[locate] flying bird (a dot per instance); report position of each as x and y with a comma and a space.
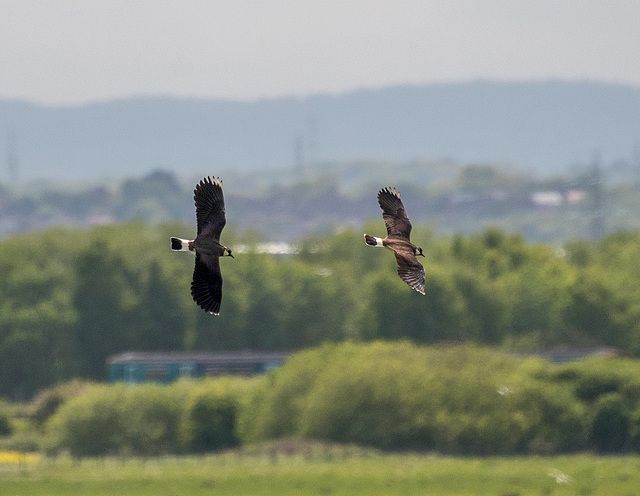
206, 287
398, 231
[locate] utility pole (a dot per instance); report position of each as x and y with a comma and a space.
597, 228
12, 158
298, 153
635, 164
311, 141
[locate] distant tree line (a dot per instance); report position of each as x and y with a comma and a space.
69, 298
292, 204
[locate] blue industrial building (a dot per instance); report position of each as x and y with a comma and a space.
135, 367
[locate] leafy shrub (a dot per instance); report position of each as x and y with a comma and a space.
47, 401
209, 423
552, 420
634, 431
593, 378
274, 410
118, 419
590, 387
21, 441
210, 417
150, 417
90, 424
5, 419
459, 399
611, 424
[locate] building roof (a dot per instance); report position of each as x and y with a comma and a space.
203, 357
567, 354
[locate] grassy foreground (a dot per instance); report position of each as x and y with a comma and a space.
357, 473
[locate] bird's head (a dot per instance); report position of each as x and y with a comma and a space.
227, 253
418, 252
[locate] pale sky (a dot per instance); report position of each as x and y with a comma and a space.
74, 51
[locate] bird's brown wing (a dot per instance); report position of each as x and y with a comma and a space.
410, 270
206, 287
209, 200
394, 215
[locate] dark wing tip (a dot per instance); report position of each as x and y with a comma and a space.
210, 210
389, 191
206, 286
389, 200
204, 299
390, 196
411, 272
207, 183
414, 279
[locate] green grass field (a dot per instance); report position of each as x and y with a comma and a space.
357, 473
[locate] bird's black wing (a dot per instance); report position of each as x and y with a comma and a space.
410, 270
209, 200
206, 287
393, 213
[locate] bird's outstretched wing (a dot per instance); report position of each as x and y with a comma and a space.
410, 270
394, 215
206, 287
209, 200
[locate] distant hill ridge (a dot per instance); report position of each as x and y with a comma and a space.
540, 126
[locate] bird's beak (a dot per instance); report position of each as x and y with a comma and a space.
231, 255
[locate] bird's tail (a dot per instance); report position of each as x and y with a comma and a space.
372, 240
178, 244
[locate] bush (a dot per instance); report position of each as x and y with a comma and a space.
459, 399
209, 423
210, 417
23, 442
47, 401
120, 419
274, 410
149, 419
634, 435
551, 418
5, 419
592, 386
90, 424
611, 424
594, 378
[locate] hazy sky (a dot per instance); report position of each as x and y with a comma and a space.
63, 51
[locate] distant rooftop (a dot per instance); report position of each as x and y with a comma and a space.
134, 367
566, 354
204, 357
